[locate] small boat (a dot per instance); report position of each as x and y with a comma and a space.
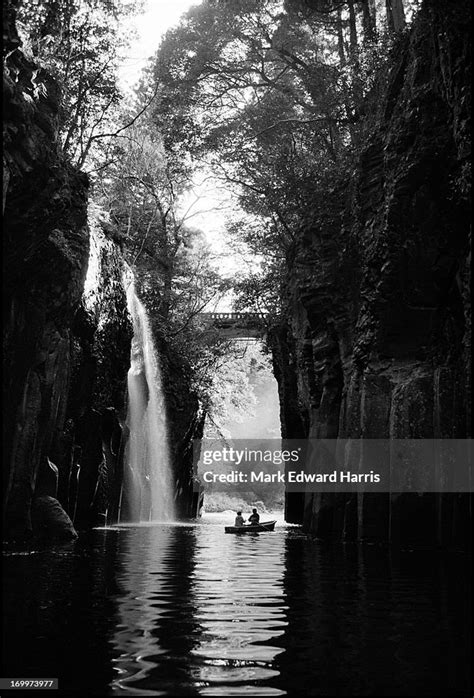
252, 528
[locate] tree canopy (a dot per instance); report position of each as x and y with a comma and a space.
80, 42
267, 95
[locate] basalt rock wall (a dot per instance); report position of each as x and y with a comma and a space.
46, 247
90, 446
65, 356
185, 423
377, 338
67, 333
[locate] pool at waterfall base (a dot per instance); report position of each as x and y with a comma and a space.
183, 609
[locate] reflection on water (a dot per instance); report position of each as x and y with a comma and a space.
194, 592
187, 610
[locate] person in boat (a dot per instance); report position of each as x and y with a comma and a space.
239, 519
254, 517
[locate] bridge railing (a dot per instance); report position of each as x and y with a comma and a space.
233, 316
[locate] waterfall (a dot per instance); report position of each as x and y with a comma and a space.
148, 488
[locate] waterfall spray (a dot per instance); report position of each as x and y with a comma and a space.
148, 491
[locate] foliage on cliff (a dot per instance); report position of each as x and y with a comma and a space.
346, 133
135, 180
80, 44
271, 97
344, 130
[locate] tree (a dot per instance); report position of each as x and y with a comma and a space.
79, 42
268, 95
395, 15
141, 190
259, 95
238, 380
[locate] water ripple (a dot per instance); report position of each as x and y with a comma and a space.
185, 610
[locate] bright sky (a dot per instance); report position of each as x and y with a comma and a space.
207, 206
150, 26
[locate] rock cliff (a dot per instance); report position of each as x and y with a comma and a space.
377, 338
66, 356
90, 447
185, 423
46, 249
67, 330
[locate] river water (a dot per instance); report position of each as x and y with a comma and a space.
184, 609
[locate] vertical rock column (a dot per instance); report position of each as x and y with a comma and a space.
46, 246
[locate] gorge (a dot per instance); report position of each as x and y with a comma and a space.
331, 303
373, 339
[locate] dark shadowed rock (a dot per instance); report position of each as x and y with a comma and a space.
46, 248
47, 482
378, 331
50, 520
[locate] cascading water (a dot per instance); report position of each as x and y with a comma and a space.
148, 491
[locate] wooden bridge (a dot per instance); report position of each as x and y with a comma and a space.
236, 325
